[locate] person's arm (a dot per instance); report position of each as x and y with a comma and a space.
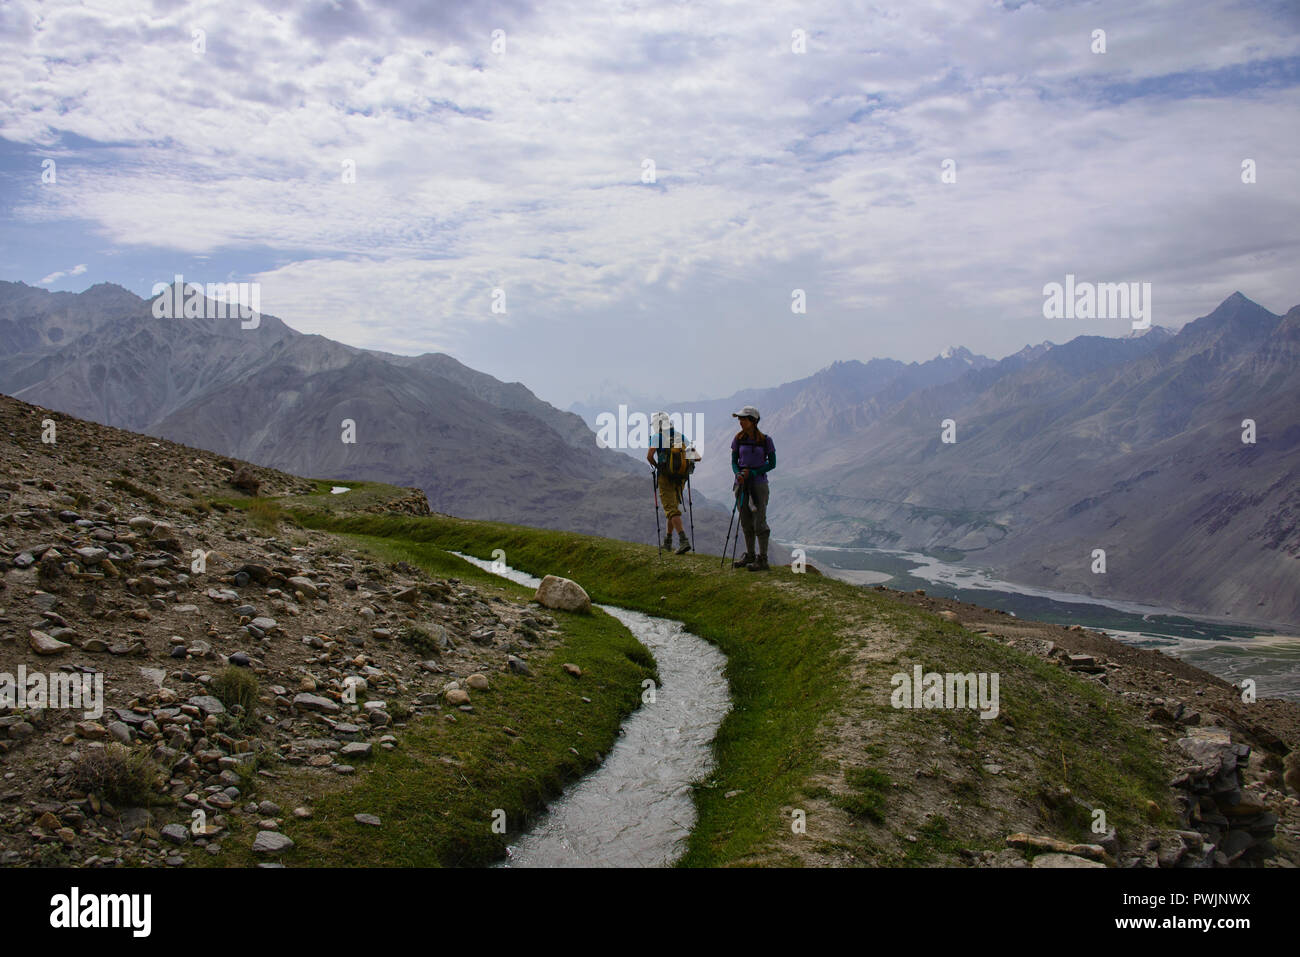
735, 460
771, 458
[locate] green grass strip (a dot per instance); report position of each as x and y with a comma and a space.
440, 792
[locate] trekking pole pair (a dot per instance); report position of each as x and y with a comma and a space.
740, 493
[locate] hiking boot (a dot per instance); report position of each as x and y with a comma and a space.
668, 541
759, 564
685, 546
744, 561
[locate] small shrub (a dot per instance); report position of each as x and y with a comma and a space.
420, 639
236, 686
265, 515
125, 777
869, 799
248, 778
136, 490
867, 779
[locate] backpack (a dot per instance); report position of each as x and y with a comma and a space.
674, 460
677, 464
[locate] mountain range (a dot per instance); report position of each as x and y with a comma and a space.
478, 447
1133, 446
1027, 466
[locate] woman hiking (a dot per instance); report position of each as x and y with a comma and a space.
752, 456
673, 462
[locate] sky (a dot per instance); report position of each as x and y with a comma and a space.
612, 199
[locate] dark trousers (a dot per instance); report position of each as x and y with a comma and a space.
753, 516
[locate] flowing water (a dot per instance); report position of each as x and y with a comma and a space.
635, 810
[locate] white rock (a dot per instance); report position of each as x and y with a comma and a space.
561, 593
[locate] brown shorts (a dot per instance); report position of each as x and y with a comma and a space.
670, 495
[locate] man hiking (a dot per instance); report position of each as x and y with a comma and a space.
752, 456
673, 463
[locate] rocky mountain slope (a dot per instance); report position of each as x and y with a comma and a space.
1130, 445
478, 447
101, 529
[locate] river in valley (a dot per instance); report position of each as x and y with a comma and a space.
1232, 650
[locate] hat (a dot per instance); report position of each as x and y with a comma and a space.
748, 412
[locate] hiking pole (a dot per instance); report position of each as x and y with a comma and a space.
727, 541
654, 491
742, 496
690, 506
736, 542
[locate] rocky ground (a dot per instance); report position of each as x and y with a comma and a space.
114, 562
1238, 784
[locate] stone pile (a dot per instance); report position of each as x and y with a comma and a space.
1224, 824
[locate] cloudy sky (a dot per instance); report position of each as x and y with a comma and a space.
520, 164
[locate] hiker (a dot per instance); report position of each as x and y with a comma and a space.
673, 463
752, 456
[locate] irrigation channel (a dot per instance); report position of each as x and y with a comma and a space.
635, 810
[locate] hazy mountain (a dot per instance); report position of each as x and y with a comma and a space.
819, 410
1132, 445
478, 447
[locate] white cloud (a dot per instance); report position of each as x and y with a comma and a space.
55, 276
775, 170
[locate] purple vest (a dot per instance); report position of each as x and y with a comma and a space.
752, 456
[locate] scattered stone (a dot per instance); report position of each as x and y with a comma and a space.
561, 593
208, 704
305, 585
312, 702
271, 842
1055, 860
1035, 842
91, 555
43, 644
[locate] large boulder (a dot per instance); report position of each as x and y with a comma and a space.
561, 593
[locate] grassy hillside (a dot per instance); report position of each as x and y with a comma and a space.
436, 794
812, 730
